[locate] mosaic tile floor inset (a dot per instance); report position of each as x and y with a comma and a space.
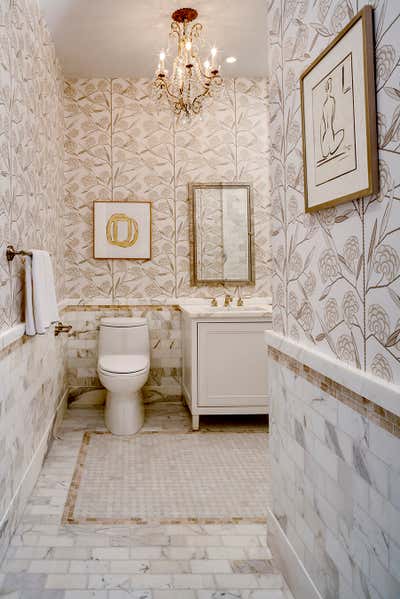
166, 478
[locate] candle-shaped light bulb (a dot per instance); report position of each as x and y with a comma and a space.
162, 61
179, 73
207, 66
213, 55
188, 45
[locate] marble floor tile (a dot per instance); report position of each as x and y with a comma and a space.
48, 559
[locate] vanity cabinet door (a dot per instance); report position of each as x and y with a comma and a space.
231, 364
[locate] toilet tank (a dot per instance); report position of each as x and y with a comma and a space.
124, 335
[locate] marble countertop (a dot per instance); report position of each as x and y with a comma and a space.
260, 311
363, 383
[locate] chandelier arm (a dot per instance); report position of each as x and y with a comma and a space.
205, 93
175, 28
196, 30
165, 86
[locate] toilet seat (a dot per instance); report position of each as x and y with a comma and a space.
123, 363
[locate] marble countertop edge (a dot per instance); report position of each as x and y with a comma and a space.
246, 312
378, 391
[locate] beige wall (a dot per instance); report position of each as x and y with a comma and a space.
336, 284
121, 145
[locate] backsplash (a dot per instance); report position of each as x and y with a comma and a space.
31, 144
164, 323
336, 281
121, 145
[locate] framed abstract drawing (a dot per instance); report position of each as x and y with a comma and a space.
122, 230
338, 106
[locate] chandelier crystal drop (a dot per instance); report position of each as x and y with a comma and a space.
192, 81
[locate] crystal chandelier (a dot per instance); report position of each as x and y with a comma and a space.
191, 81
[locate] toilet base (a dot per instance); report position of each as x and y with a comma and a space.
124, 413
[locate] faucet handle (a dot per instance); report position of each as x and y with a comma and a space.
214, 302
228, 300
240, 301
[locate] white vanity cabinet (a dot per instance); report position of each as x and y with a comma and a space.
224, 365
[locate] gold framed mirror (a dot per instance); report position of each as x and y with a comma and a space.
221, 234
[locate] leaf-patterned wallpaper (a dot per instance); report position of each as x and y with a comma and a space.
31, 149
120, 144
336, 272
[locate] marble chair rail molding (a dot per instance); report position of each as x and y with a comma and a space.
337, 375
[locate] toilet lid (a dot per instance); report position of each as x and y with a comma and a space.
123, 363
123, 321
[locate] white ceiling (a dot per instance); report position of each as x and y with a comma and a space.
110, 38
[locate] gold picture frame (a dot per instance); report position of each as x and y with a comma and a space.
111, 219
195, 279
339, 126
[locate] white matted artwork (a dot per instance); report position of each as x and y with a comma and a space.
339, 118
122, 230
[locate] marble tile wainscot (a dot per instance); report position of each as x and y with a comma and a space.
165, 342
335, 446
33, 396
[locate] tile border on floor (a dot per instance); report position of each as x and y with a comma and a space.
68, 517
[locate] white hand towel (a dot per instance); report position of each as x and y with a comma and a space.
29, 318
41, 299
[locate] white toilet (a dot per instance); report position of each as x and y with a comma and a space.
123, 368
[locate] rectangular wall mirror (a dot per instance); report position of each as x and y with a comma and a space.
222, 242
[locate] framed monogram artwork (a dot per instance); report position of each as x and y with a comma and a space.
122, 230
338, 105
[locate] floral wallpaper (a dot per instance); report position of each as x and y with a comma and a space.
120, 144
33, 379
31, 149
336, 272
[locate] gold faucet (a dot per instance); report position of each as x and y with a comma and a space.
214, 302
240, 301
228, 300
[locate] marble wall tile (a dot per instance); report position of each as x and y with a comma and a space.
336, 275
164, 323
28, 403
334, 501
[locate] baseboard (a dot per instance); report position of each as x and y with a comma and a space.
10, 520
289, 563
